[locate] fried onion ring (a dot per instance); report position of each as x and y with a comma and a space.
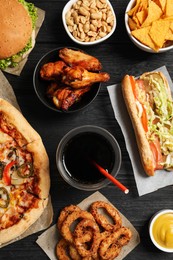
102, 220
111, 246
104, 234
65, 212
80, 238
71, 218
62, 249
74, 253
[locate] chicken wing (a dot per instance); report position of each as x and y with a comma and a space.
51, 89
52, 70
73, 97
60, 95
65, 97
76, 57
78, 77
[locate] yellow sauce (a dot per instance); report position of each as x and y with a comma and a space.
163, 230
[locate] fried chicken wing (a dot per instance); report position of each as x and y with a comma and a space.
76, 57
73, 97
52, 70
52, 88
66, 97
60, 95
78, 77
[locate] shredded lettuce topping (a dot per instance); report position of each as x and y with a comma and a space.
13, 60
160, 116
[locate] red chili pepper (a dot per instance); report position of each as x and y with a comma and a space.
6, 173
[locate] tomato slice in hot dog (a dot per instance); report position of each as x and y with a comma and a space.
133, 84
144, 119
157, 155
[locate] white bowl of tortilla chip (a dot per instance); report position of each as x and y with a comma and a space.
150, 26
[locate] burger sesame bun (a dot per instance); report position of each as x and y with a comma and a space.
15, 28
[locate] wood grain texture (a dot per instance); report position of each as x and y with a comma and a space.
119, 57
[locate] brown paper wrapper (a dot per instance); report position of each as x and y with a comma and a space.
7, 93
18, 69
48, 240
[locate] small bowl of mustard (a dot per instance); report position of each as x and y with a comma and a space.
161, 230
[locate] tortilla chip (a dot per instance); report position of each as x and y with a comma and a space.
135, 19
169, 35
161, 4
144, 4
154, 13
134, 9
171, 26
132, 24
142, 35
141, 16
158, 32
140, 8
169, 18
169, 8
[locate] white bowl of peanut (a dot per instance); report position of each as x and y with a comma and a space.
89, 22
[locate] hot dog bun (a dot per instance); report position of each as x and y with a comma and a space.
135, 103
143, 145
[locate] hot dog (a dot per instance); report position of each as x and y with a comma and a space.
150, 106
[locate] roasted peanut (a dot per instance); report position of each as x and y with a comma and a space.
80, 27
102, 34
96, 16
86, 27
83, 11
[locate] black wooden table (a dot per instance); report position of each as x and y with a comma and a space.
118, 56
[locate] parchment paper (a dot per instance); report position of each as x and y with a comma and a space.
145, 184
18, 69
7, 93
48, 240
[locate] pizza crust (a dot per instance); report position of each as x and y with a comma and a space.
41, 163
6, 235
14, 117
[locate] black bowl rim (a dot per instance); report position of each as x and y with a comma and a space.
52, 107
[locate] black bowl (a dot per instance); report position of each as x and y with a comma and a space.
40, 85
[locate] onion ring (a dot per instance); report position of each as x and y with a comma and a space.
104, 234
111, 246
74, 253
71, 218
80, 238
61, 250
102, 220
65, 212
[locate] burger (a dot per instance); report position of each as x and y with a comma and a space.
17, 31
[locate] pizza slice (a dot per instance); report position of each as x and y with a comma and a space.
24, 174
